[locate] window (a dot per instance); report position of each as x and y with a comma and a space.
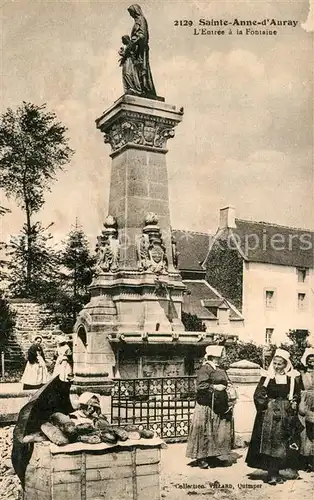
301, 275
268, 335
301, 300
269, 298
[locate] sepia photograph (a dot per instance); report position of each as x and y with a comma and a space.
156, 250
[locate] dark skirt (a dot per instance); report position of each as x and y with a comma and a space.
210, 435
269, 446
307, 439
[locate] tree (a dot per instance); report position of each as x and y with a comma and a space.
3, 211
45, 262
296, 346
244, 350
65, 299
33, 148
7, 320
192, 323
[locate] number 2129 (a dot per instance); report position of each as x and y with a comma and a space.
183, 22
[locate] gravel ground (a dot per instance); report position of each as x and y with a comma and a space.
180, 481
10, 488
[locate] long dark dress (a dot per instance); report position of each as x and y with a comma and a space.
140, 39
211, 428
276, 426
307, 418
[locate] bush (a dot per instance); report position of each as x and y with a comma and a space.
297, 345
7, 321
192, 323
263, 355
244, 350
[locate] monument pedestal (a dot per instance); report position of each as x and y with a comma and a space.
137, 287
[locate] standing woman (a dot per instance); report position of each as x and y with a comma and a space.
276, 428
306, 410
211, 429
35, 374
63, 364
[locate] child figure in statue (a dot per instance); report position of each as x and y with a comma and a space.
130, 77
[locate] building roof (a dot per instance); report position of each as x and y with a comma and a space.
192, 248
274, 244
262, 242
201, 298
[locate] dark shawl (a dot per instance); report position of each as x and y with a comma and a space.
206, 395
52, 397
32, 353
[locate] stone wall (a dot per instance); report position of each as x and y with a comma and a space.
28, 324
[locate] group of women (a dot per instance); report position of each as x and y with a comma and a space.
283, 431
36, 373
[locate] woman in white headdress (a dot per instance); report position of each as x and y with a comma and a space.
89, 409
63, 364
306, 409
211, 428
276, 430
35, 374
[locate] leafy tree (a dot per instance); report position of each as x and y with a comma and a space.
3, 211
7, 320
33, 148
66, 297
244, 350
192, 323
298, 343
44, 265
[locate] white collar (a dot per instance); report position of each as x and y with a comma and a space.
281, 378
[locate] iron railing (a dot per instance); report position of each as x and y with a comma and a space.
164, 405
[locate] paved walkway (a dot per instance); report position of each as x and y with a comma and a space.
7, 387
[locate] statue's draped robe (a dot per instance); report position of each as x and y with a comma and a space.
130, 75
140, 39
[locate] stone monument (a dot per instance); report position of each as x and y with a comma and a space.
136, 293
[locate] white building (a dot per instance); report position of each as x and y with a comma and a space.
267, 271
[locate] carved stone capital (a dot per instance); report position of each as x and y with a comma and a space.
136, 129
139, 123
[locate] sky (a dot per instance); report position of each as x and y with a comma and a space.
247, 134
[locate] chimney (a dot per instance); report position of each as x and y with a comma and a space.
227, 217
